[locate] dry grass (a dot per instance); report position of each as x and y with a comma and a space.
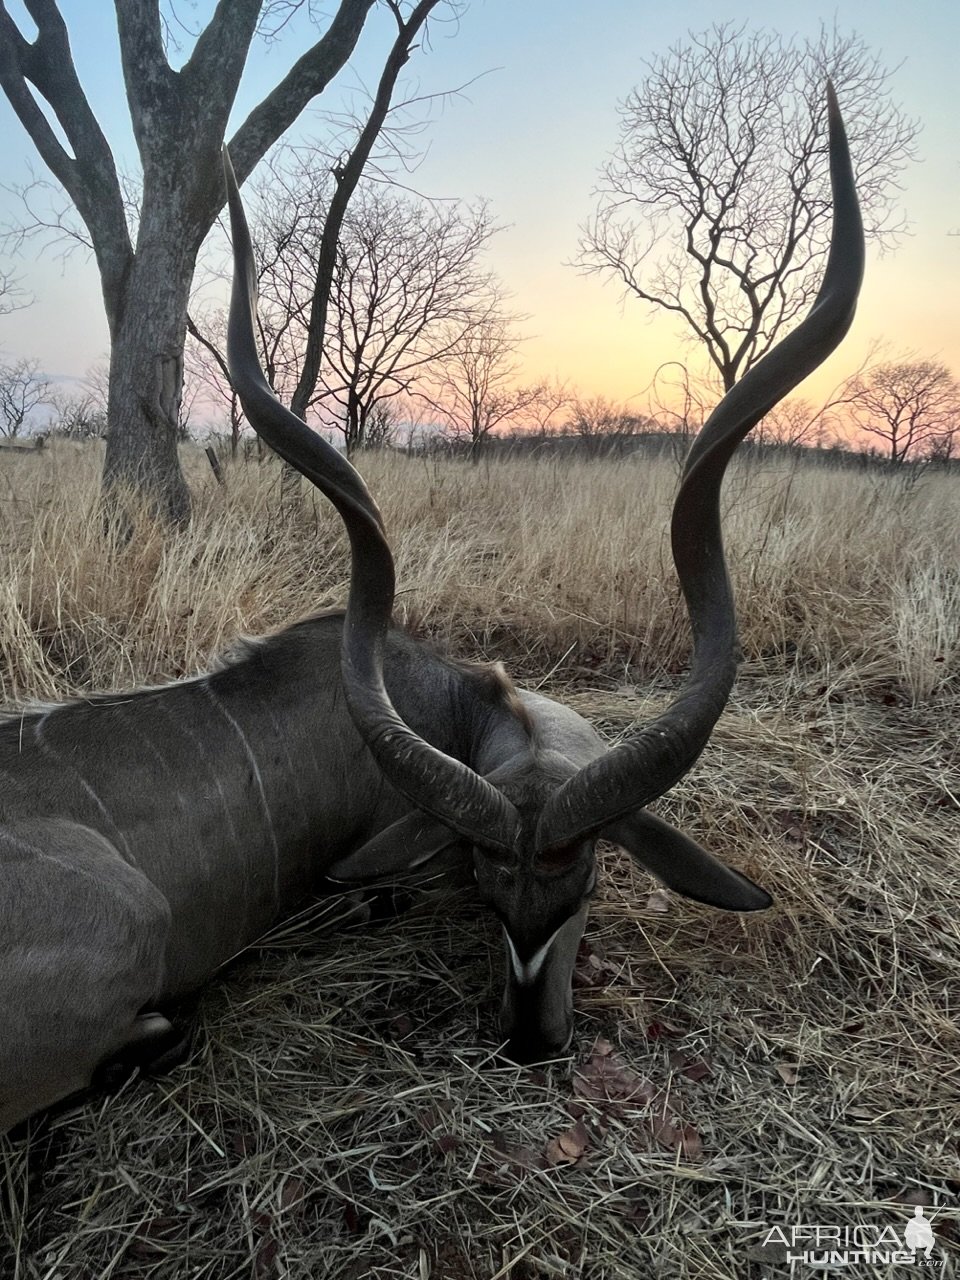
342, 1114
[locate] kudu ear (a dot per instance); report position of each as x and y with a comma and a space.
683, 865
404, 845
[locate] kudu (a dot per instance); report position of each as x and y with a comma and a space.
147, 837
531, 786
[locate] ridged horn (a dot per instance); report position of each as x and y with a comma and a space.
647, 764
430, 779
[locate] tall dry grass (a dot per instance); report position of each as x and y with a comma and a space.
560, 567
343, 1115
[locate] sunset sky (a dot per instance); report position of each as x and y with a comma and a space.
529, 133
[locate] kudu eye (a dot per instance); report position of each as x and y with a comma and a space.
558, 859
495, 858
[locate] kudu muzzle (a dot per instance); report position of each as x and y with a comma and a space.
536, 1018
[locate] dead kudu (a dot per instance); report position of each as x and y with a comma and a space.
148, 837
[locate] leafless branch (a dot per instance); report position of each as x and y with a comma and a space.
23, 389
911, 405
723, 156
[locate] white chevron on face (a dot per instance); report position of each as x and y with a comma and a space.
526, 974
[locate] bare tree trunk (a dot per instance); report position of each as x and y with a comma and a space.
146, 377
347, 178
178, 120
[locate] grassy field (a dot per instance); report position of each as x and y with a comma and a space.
343, 1113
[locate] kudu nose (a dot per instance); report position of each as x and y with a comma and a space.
527, 1045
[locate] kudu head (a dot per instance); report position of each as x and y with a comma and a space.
533, 807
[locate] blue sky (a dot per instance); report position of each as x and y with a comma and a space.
529, 133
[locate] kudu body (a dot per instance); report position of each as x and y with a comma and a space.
148, 837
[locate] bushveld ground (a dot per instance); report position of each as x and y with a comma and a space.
343, 1113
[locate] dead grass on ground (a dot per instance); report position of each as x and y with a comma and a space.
343, 1113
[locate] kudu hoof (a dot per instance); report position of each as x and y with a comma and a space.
154, 1046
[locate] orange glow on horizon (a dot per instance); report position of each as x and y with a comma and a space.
588, 337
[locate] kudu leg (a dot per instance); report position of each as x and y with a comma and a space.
83, 937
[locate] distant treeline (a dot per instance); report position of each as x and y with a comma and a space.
655, 444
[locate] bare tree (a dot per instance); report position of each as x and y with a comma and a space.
382, 427
542, 417
179, 118
304, 226
23, 389
408, 290
913, 406
723, 152
679, 401
477, 392
288, 204
79, 411
13, 297
597, 420
76, 415
347, 175
793, 423
206, 363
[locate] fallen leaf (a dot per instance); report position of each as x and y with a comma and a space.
676, 1136
637, 1210
512, 1153
593, 969
608, 1082
695, 1069
569, 1146
691, 1142
605, 1078
292, 1193
661, 1029
402, 1026
157, 1235
265, 1262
